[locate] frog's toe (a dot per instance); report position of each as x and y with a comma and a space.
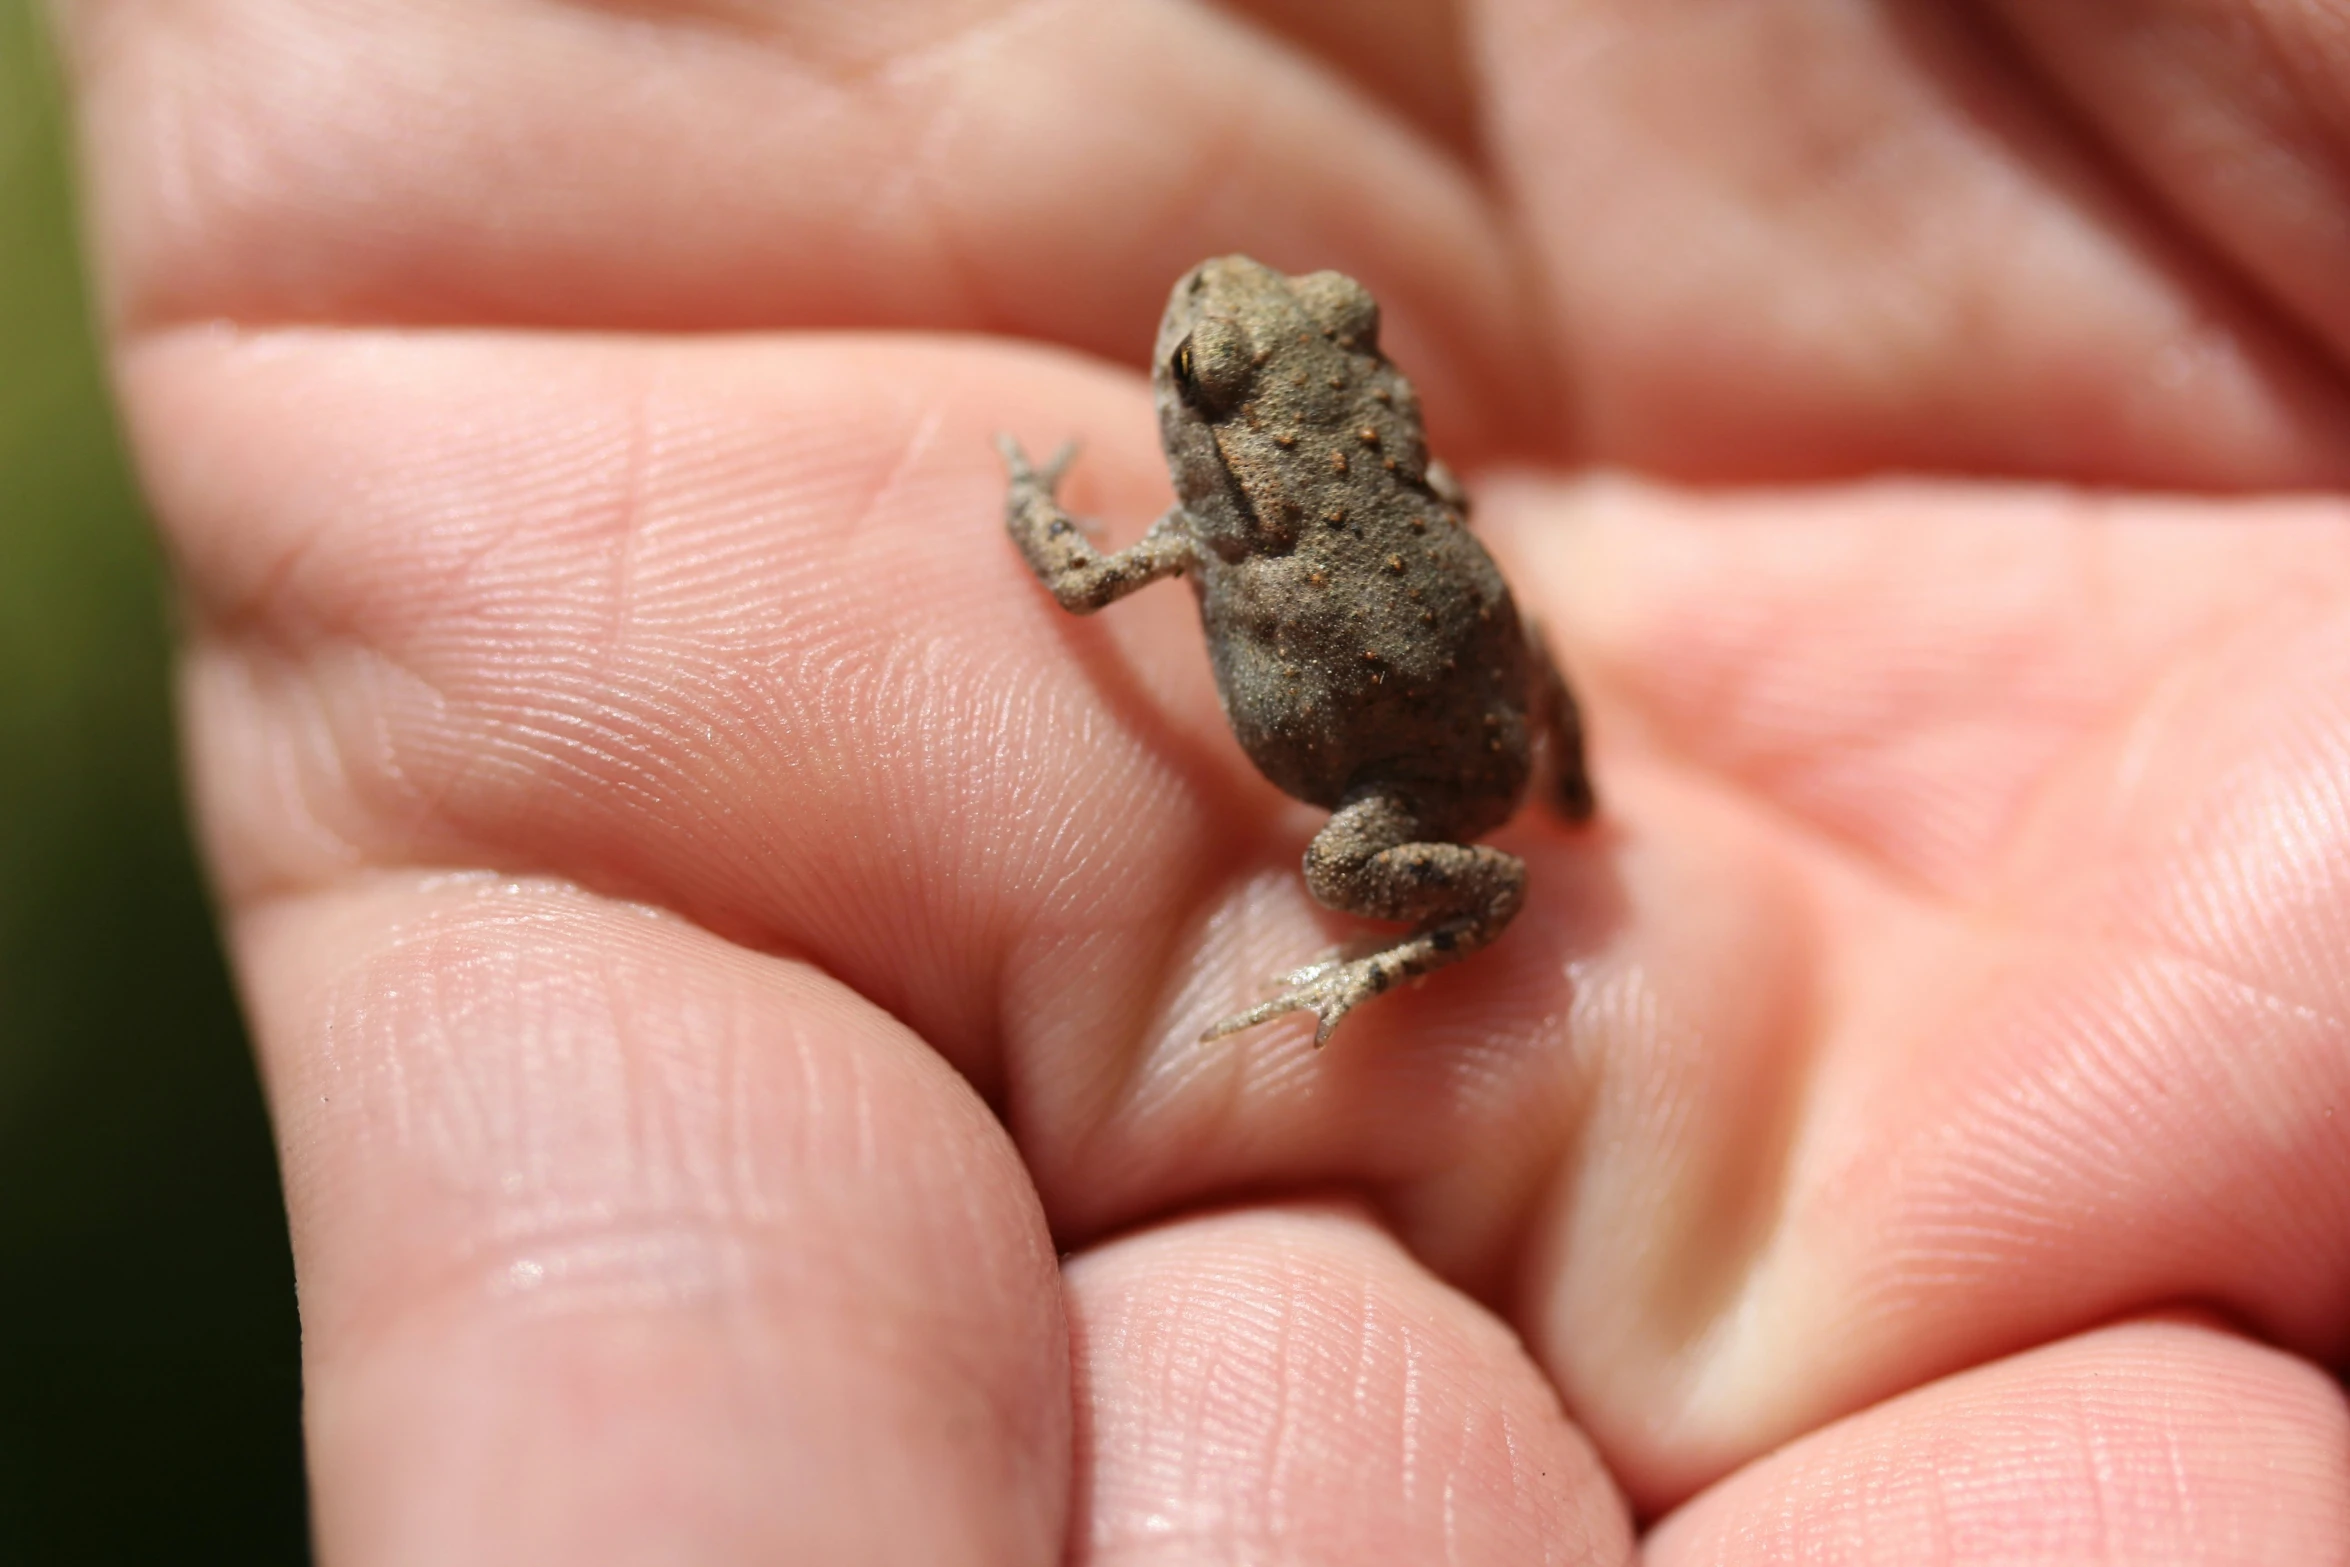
1306, 973
1328, 961
1329, 989
1026, 475
1015, 458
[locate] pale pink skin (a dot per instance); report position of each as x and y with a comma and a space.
658, 817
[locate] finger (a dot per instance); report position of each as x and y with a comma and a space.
2232, 113
1289, 1386
1900, 666
1824, 238
2059, 1034
1410, 53
2156, 1442
1045, 170
731, 626
618, 1243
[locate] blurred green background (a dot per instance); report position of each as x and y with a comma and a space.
150, 1404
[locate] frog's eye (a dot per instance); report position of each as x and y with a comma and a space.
1340, 306
1212, 366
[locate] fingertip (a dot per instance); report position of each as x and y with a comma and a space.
1288, 1384
2152, 1441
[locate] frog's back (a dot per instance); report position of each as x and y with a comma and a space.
1339, 669
1360, 633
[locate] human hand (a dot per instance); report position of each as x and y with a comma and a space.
714, 931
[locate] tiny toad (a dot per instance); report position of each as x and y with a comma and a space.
1367, 651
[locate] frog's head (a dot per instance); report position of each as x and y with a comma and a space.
1239, 342
1232, 321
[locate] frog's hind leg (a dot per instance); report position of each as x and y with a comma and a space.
1370, 860
1567, 780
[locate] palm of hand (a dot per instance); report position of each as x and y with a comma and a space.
650, 797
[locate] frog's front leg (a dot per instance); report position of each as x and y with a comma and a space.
1081, 577
1369, 859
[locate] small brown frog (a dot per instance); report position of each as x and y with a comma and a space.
1367, 652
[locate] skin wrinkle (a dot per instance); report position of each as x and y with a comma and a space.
1522, 1487
749, 20
2205, 886
1968, 1158
1288, 1449
263, 627
2097, 1464
1259, 1340
1546, 1131
2012, 1478
1977, 437
1235, 131
2333, 1024
1189, 1441
1749, 1226
461, 962
2292, 59
2137, 738
1146, 1075
2175, 1469
631, 517
912, 184
1851, 165
2218, 888
2144, 199
1961, 1239
1410, 54
1409, 1412
1808, 836
301, 777
1122, 1077
2275, 1135
1936, 1494
863, 53
269, 608
1691, 1289
2240, 153
2134, 699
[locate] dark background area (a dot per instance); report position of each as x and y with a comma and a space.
149, 1379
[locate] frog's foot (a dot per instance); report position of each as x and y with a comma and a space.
1303, 988
1369, 860
1341, 980
1329, 990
